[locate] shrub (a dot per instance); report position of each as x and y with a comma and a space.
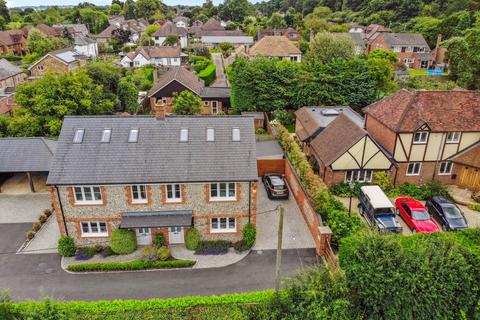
342, 224
192, 239
159, 240
150, 253
84, 253
260, 131
98, 248
130, 265
383, 180
241, 246
163, 253
123, 241
476, 196
249, 235
107, 252
474, 206
66, 246
36, 226
213, 247
30, 234
208, 74
283, 116
47, 212
201, 65
42, 219
421, 192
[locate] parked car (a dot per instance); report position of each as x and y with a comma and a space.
415, 215
446, 213
377, 209
275, 185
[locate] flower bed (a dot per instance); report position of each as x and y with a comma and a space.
213, 247
138, 264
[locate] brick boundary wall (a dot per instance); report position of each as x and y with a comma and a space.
321, 234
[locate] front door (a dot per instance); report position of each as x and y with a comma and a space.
175, 235
144, 236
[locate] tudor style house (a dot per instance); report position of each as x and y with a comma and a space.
334, 139
120, 172
159, 56
412, 49
178, 79
424, 130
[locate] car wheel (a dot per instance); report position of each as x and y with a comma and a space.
414, 231
444, 227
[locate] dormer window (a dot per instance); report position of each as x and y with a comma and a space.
78, 137
420, 137
210, 134
453, 137
235, 134
184, 135
133, 135
106, 134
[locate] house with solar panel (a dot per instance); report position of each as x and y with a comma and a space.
153, 174
59, 61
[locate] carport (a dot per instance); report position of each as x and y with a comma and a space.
25, 156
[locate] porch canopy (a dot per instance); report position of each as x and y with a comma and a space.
144, 219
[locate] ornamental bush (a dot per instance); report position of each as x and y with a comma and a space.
84, 253
249, 235
123, 241
213, 247
192, 239
163, 253
208, 74
66, 246
159, 240
150, 253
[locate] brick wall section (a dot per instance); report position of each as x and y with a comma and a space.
381, 133
428, 171
306, 207
56, 209
49, 65
270, 166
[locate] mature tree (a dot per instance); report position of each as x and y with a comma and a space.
464, 59
95, 20
171, 40
277, 21
314, 24
128, 96
4, 12
104, 73
44, 103
263, 84
115, 9
147, 8
187, 103
384, 54
235, 10
121, 36
326, 47
39, 44
130, 9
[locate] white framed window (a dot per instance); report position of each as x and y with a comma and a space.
78, 137
358, 176
174, 193
214, 107
183, 135
223, 191
236, 134
453, 137
94, 229
106, 134
87, 195
420, 137
445, 168
40, 68
210, 134
223, 225
136, 63
139, 193
133, 135
413, 168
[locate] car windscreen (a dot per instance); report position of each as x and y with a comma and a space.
421, 215
452, 212
384, 211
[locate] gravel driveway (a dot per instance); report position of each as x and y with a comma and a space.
23, 208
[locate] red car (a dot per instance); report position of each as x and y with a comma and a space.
415, 215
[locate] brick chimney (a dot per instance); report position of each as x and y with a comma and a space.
160, 111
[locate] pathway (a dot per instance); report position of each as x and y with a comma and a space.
221, 77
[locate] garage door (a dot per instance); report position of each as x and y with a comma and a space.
469, 178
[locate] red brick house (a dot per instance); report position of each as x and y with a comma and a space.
412, 49
13, 41
423, 130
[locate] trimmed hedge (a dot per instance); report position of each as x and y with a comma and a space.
192, 239
138, 264
123, 241
208, 74
213, 247
91, 310
66, 246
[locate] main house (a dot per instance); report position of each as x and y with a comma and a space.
289, 32
276, 46
154, 174
159, 56
423, 130
412, 49
335, 141
178, 79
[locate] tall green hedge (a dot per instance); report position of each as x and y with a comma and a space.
208, 74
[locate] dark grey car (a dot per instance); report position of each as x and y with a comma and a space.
275, 185
447, 213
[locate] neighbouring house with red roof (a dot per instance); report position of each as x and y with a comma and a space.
13, 41
424, 131
136, 27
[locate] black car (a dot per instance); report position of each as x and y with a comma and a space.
275, 185
446, 213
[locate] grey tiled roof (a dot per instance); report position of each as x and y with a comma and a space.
26, 154
170, 218
405, 39
158, 156
355, 36
7, 69
215, 92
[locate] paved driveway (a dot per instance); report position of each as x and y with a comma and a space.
12, 236
295, 229
221, 77
35, 276
23, 208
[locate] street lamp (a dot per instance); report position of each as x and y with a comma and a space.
351, 184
